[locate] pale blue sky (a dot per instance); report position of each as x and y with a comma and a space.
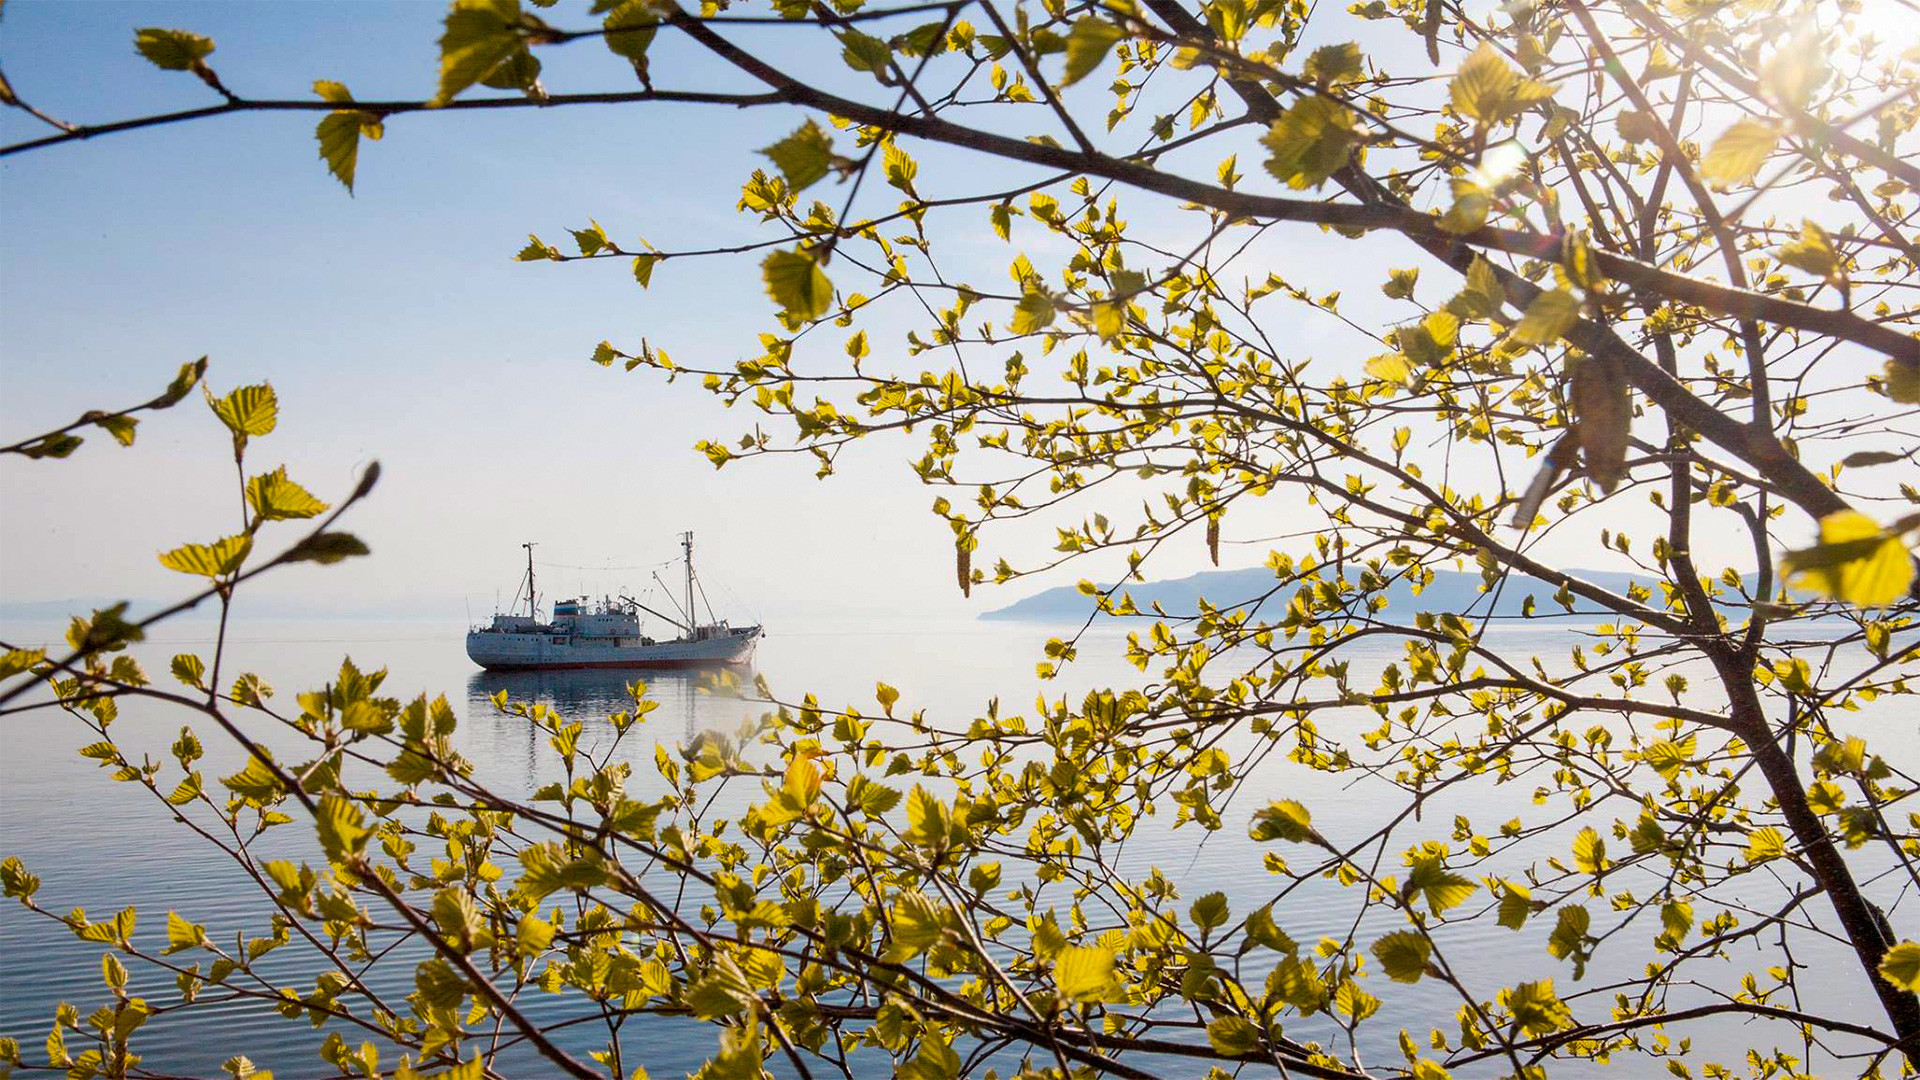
395, 325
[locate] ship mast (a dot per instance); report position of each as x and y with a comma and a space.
532, 612
686, 545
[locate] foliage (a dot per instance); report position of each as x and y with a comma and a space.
1621, 282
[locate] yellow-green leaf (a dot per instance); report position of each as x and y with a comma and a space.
172, 50
1855, 562
630, 28
1551, 314
1813, 252
1902, 377
1233, 1036
796, 283
1088, 43
1284, 819
209, 560
1085, 973
1590, 852
1403, 955
1764, 844
1488, 89
1311, 141
1901, 966
802, 157
480, 35
1033, 313
1738, 153
247, 410
276, 498
1391, 367
181, 934
1331, 64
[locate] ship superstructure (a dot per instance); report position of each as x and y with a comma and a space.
607, 632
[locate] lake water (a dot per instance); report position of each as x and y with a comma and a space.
105, 846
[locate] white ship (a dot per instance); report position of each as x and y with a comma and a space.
607, 633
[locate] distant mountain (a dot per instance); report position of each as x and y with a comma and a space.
1450, 591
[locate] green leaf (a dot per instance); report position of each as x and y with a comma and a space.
1813, 252
630, 28
172, 50
1902, 377
863, 52
538, 250
1488, 89
1284, 819
1331, 64
1209, 911
1764, 844
1536, 1008
547, 868
1442, 888
1002, 217
327, 548
1516, 903
533, 934
16, 883
1569, 937
1551, 314
247, 410
1399, 283
1310, 142
1088, 44
1232, 1036
183, 382
182, 935
643, 268
15, 661
480, 35
1738, 153
276, 498
339, 132
917, 923
209, 560
1085, 973
255, 783
802, 157
926, 818
724, 991
796, 283
1854, 562
900, 168
120, 427
519, 71
1901, 966
1590, 852
1403, 955
1033, 313
439, 985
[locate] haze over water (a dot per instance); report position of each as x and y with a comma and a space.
104, 845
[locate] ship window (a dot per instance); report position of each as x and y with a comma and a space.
559, 641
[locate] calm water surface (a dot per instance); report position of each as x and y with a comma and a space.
105, 846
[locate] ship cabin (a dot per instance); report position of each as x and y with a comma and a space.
582, 619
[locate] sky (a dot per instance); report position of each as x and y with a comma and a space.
395, 326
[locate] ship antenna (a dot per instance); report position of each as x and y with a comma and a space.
686, 545
532, 611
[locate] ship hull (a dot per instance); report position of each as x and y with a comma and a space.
538, 652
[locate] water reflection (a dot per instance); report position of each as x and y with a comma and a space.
689, 703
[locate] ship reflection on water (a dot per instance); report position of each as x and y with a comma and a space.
689, 704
